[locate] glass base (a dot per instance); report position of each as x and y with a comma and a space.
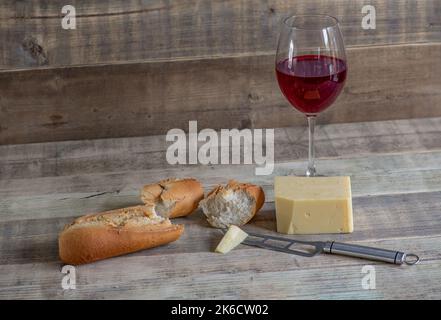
310, 172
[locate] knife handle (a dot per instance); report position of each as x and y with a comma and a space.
369, 253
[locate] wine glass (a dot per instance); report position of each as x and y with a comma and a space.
311, 67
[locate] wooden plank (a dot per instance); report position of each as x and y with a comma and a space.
375, 217
77, 203
134, 30
151, 98
69, 196
242, 274
142, 153
129, 182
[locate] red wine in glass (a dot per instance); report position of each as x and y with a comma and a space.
311, 83
311, 67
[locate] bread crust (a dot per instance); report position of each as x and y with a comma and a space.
113, 233
254, 191
173, 197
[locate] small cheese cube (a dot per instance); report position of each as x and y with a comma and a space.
313, 205
231, 239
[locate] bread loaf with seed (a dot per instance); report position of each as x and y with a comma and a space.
172, 198
233, 204
107, 234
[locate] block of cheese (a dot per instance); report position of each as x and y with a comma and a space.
313, 205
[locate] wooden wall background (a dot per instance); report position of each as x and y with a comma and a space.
141, 67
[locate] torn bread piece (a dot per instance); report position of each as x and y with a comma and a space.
102, 235
233, 204
232, 238
172, 198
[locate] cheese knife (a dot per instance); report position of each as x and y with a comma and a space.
312, 248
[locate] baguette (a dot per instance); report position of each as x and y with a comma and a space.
107, 234
172, 198
233, 204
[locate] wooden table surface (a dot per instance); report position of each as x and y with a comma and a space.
395, 167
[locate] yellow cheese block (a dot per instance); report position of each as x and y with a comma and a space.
313, 205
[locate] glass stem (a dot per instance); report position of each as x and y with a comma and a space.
310, 172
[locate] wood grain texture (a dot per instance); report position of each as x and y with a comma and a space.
395, 169
75, 195
243, 274
241, 92
140, 153
377, 217
121, 31
149, 152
